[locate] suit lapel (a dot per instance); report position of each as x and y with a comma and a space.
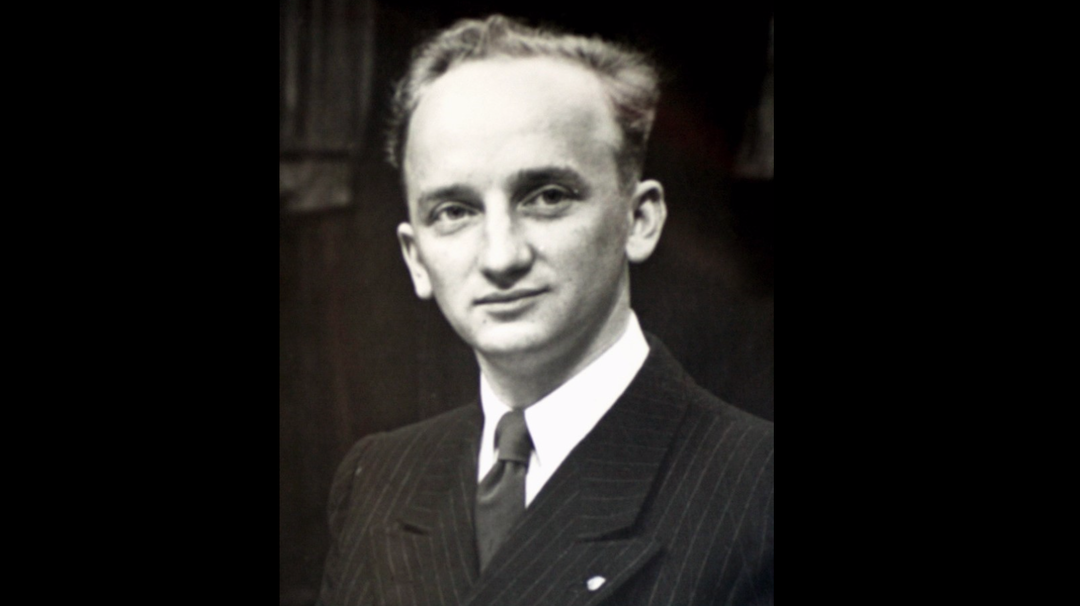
430, 543
582, 524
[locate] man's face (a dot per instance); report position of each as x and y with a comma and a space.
518, 221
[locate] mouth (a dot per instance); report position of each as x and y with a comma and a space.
510, 297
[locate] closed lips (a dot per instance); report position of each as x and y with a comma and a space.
505, 297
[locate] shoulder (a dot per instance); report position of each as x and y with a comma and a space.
713, 505
664, 375
735, 449
754, 434
411, 441
738, 446
717, 442
390, 458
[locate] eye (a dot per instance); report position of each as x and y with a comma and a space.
552, 197
451, 212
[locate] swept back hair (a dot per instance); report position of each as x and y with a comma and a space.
628, 77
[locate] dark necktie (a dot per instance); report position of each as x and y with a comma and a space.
500, 497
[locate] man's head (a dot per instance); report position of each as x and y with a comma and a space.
521, 218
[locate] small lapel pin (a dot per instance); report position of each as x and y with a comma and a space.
594, 583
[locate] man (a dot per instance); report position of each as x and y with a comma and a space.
593, 470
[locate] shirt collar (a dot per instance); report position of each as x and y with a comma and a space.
561, 419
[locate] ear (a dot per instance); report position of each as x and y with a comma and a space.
417, 270
646, 221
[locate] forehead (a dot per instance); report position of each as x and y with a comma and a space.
510, 110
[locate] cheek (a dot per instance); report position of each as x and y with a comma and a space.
607, 236
595, 251
445, 268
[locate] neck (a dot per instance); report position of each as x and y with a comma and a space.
522, 381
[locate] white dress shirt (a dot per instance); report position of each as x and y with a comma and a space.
565, 416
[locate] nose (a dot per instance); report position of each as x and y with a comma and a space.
506, 255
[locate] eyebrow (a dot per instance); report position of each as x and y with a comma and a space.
450, 192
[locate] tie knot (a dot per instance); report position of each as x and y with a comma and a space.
512, 438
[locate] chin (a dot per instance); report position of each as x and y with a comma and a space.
509, 341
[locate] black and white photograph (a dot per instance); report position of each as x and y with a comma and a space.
526, 304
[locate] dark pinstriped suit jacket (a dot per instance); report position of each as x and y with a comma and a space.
669, 499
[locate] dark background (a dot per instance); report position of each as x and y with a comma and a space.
359, 353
